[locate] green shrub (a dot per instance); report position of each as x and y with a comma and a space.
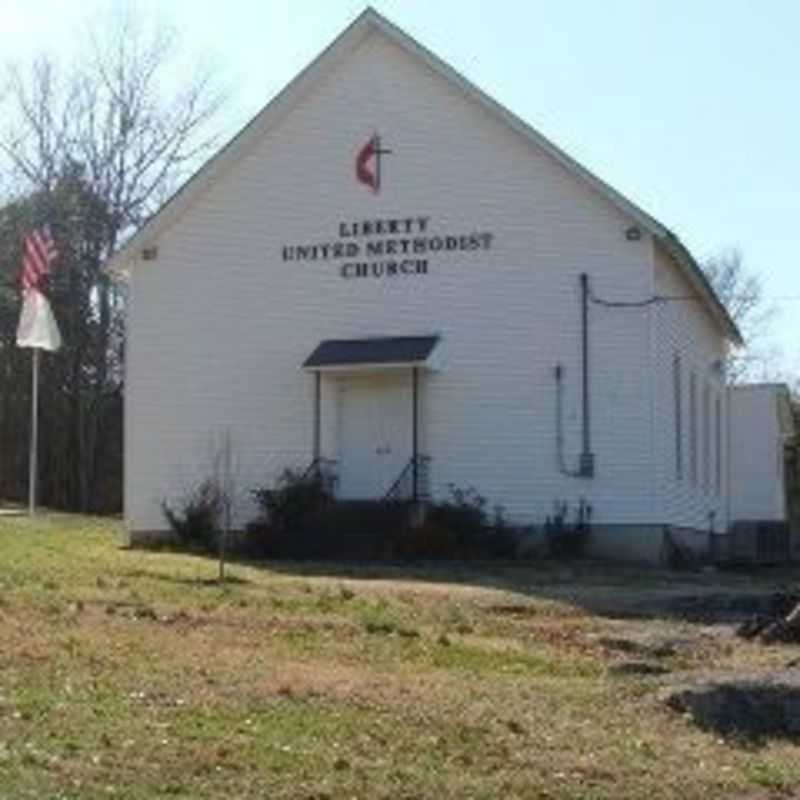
460, 528
285, 509
465, 515
294, 496
196, 520
300, 519
477, 535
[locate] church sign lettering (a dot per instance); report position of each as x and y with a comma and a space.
386, 247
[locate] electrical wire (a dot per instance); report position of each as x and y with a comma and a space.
656, 298
666, 298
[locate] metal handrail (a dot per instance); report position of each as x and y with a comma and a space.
318, 466
418, 465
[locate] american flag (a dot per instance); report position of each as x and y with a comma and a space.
39, 252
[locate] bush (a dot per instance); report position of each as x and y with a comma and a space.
568, 539
196, 521
465, 515
430, 540
460, 528
301, 519
501, 539
295, 496
352, 530
356, 531
285, 509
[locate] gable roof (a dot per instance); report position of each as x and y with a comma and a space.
370, 21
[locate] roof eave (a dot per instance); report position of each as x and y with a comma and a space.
675, 247
121, 263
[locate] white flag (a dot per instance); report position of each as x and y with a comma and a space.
37, 325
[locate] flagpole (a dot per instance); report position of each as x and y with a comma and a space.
38, 330
32, 464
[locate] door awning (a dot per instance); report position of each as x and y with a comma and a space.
379, 353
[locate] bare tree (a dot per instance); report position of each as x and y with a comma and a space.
110, 114
203, 514
110, 124
742, 292
226, 468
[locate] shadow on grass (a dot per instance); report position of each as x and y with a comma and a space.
605, 589
751, 712
609, 590
179, 580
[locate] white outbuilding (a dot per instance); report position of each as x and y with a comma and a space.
760, 471
388, 270
762, 426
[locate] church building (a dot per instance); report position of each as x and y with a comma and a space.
389, 274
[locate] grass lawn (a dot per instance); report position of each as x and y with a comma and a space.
132, 674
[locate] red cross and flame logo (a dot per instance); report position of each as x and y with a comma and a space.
368, 163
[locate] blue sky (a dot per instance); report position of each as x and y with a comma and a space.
689, 108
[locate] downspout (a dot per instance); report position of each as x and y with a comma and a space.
728, 454
415, 433
586, 464
586, 457
562, 461
317, 445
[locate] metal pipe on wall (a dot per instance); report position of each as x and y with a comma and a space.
317, 415
586, 465
415, 432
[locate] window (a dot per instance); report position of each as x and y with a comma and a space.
706, 438
677, 391
693, 428
718, 444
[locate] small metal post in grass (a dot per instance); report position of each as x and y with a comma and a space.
227, 489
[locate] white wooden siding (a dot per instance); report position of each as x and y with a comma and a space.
683, 330
219, 325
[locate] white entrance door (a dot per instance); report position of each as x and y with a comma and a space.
375, 419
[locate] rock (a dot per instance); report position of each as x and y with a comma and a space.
781, 623
752, 706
